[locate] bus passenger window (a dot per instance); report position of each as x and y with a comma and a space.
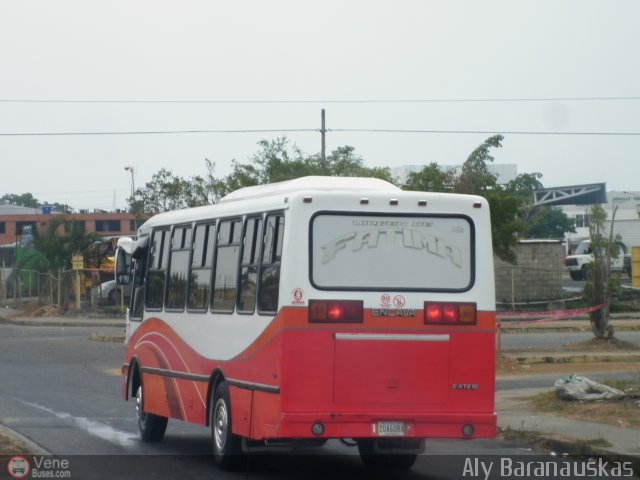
270, 267
137, 293
249, 267
226, 266
201, 263
178, 268
158, 258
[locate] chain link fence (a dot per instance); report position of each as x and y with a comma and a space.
85, 290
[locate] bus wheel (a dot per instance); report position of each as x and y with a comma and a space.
384, 461
227, 447
152, 427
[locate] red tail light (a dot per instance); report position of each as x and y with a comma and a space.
449, 313
335, 311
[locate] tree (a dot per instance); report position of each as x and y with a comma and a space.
539, 221
278, 160
505, 224
51, 249
275, 161
547, 222
29, 201
167, 191
430, 179
23, 200
475, 177
600, 283
61, 208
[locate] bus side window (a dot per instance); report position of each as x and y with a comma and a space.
270, 266
137, 300
178, 269
223, 298
201, 263
249, 266
157, 269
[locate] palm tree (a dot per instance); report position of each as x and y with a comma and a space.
52, 247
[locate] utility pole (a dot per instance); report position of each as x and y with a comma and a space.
323, 131
131, 170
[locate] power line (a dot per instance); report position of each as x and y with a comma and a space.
483, 132
306, 130
157, 132
329, 100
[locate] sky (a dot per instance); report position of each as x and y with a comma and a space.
451, 72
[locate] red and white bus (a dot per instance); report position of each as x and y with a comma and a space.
313, 309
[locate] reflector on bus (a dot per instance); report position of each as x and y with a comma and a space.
335, 311
449, 313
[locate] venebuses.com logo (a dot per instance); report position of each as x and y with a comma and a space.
18, 467
38, 467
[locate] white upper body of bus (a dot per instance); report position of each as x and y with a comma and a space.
352, 238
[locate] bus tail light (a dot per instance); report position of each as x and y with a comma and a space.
335, 311
449, 313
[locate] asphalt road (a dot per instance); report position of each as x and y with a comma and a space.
577, 286
533, 341
62, 391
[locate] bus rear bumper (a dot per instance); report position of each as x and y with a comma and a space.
354, 425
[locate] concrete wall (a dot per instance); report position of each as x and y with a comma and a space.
537, 275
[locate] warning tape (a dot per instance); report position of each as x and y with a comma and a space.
541, 302
548, 315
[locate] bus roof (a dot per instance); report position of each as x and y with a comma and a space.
274, 195
311, 183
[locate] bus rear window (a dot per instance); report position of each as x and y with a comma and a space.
367, 252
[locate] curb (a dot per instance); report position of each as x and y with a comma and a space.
64, 323
561, 329
536, 359
32, 447
576, 448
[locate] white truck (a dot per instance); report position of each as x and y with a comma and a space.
578, 263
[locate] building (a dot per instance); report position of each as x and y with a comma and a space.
17, 221
627, 218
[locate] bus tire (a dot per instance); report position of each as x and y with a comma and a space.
227, 447
384, 461
152, 427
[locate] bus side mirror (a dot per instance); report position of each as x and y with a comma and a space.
123, 267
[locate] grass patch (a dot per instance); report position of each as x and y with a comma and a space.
10, 446
624, 413
544, 442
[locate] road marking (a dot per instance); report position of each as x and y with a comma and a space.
92, 427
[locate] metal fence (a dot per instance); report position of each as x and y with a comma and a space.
70, 290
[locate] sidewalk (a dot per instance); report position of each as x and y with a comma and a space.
566, 435
562, 434
15, 317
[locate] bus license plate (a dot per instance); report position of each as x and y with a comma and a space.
391, 429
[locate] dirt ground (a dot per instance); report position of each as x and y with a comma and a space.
10, 446
506, 367
33, 310
596, 345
